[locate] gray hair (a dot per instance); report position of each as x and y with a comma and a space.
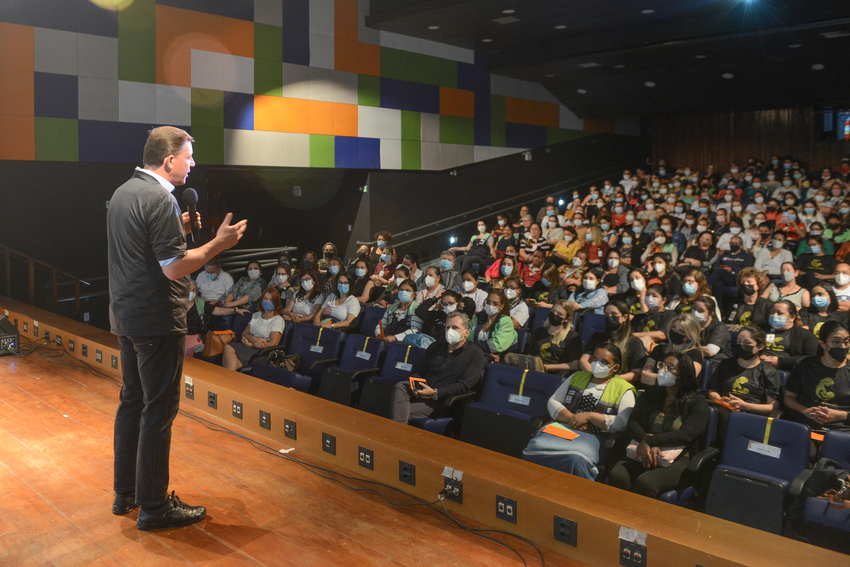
459, 315
447, 253
529, 217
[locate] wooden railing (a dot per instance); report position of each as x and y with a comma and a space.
32, 264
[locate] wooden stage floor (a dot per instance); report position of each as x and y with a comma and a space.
56, 478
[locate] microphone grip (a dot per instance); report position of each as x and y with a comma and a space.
193, 222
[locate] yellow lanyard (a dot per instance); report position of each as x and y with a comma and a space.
319, 338
365, 343
522, 382
767, 430
407, 353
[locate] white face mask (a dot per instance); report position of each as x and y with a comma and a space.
701, 317
788, 276
280, 279
576, 261
468, 286
599, 369
450, 308
842, 279
651, 302
399, 281
665, 379
306, 285
453, 337
736, 209
660, 239
430, 281
734, 230
660, 268
650, 206
638, 285
630, 218
701, 228
491, 310
482, 229
253, 274
191, 296
589, 285
613, 262
511, 293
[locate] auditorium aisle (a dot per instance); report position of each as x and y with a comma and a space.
56, 476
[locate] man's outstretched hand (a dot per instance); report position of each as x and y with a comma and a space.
230, 234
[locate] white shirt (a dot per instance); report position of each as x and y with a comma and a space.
304, 307
340, 312
213, 290
723, 241
479, 296
263, 328
520, 313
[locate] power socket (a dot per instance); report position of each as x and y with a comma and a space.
566, 531
34, 328
366, 458
236, 409
407, 473
212, 400
505, 509
632, 554
98, 356
328, 443
190, 391
70, 345
26, 327
58, 339
265, 420
47, 335
290, 429
114, 362
454, 489
85, 349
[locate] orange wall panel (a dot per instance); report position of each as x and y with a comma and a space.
296, 115
17, 93
321, 117
222, 35
268, 113
346, 20
174, 63
457, 102
345, 120
599, 126
21, 146
172, 24
524, 111
16, 47
346, 56
369, 59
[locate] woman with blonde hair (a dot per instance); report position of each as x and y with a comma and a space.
596, 247
683, 336
557, 343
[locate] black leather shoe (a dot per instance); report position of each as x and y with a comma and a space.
124, 504
175, 514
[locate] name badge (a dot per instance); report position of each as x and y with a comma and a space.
770, 338
517, 399
317, 348
403, 366
364, 355
766, 450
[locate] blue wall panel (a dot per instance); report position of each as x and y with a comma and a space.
98, 141
369, 153
239, 111
296, 32
404, 95
345, 152
56, 95
524, 135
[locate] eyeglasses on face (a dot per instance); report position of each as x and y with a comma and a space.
493, 303
671, 368
836, 342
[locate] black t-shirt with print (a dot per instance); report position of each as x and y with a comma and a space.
816, 264
649, 322
753, 385
554, 353
816, 384
717, 334
756, 314
790, 346
813, 321
635, 357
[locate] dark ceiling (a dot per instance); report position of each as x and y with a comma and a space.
775, 54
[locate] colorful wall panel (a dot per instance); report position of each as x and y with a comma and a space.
257, 82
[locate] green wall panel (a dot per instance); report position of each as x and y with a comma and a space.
497, 121
207, 108
137, 22
137, 61
411, 154
56, 139
368, 90
456, 130
268, 77
411, 125
211, 150
558, 135
322, 152
407, 66
268, 42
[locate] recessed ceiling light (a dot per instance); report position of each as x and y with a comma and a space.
649, 84
560, 27
818, 66
508, 11
433, 27
728, 76
549, 76
835, 34
795, 45
581, 91
619, 66
647, 11
589, 65
699, 57
486, 40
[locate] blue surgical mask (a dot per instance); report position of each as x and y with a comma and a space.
446, 264
550, 213
689, 288
213, 276
604, 226
501, 222
546, 282
404, 296
268, 305
703, 210
815, 249
360, 272
778, 321
678, 209
333, 269
506, 270
386, 258
638, 229
820, 301
627, 240
809, 211
342, 288
381, 243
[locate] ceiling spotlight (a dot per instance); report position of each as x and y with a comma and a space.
433, 27
649, 84
728, 76
700, 57
818, 66
647, 11
619, 66
508, 11
581, 91
795, 45
549, 76
486, 40
560, 27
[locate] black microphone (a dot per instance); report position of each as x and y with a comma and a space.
190, 197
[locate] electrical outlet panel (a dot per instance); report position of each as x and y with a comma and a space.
70, 345
190, 391
212, 400
85, 350
328, 443
236, 408
265, 420
632, 554
407, 473
58, 339
506, 509
366, 458
289, 429
98, 356
114, 362
47, 335
34, 328
566, 531
454, 489
26, 327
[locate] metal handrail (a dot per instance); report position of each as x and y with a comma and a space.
9, 253
576, 182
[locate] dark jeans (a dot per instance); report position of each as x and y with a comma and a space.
406, 408
631, 475
152, 368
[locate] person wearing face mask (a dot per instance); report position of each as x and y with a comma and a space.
665, 430
551, 225
480, 246
824, 308
818, 390
659, 271
735, 229
503, 221
772, 260
752, 308
400, 319
702, 254
618, 331
328, 282
492, 329
744, 382
688, 227
815, 266
449, 277
532, 273
787, 342
625, 247
615, 276
592, 404
618, 213
450, 366
550, 287
566, 248
340, 309
280, 281
722, 280
469, 288
556, 343
533, 243
550, 204
694, 286
364, 288
307, 301
666, 224
810, 214
390, 292
382, 243
652, 321
384, 270
816, 229
265, 330
362, 254
683, 336
433, 313
329, 251
596, 247
715, 339
197, 317
213, 283
505, 267
648, 213
592, 295
634, 296
661, 246
842, 285
247, 291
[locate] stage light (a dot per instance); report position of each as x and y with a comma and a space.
452, 240
113, 5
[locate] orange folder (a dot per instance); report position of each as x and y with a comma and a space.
560, 431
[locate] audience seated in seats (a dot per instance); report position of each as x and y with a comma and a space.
824, 307
634, 296
264, 330
715, 338
400, 319
411, 262
492, 329
660, 271
340, 308
842, 286
643, 236
746, 382
618, 331
660, 245
551, 225
534, 242
815, 266
818, 390
571, 274
816, 230
549, 289
469, 288
772, 259
363, 288
504, 221
385, 268
557, 343
595, 247
382, 248
329, 251
565, 249
788, 289
309, 261
449, 277
683, 336
752, 308
533, 272
666, 418
666, 224
787, 341
590, 404
615, 276
247, 291
728, 266
431, 285
506, 267
652, 321
518, 308
694, 286
625, 247
329, 278
282, 282
307, 301
452, 365
213, 283
480, 246
433, 313
592, 296
389, 293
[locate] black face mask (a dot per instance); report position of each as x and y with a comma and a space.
748, 289
746, 351
329, 255
765, 236
771, 209
612, 322
838, 353
734, 248
307, 264
677, 338
555, 320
